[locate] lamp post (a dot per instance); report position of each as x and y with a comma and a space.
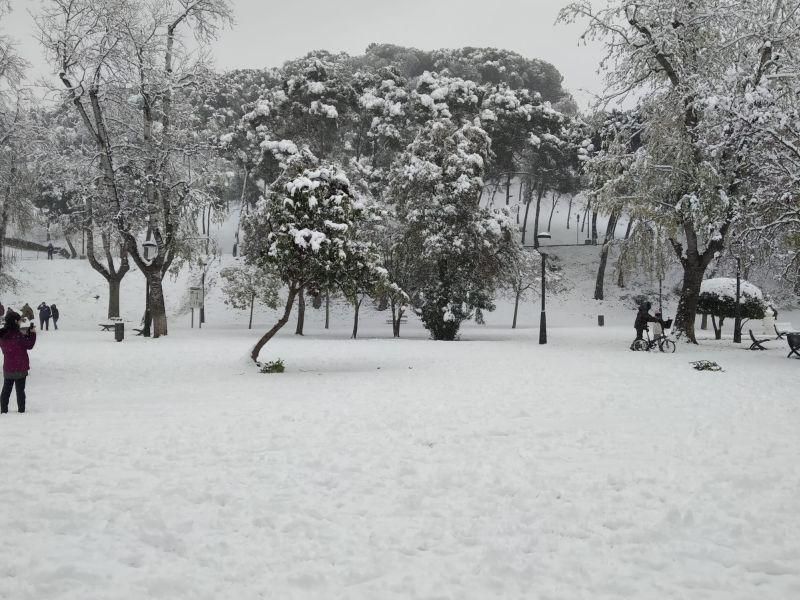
737, 323
150, 249
202, 318
543, 315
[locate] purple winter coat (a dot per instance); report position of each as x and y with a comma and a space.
15, 348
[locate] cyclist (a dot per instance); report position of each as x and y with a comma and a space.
643, 317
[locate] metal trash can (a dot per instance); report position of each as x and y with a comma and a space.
601, 320
119, 331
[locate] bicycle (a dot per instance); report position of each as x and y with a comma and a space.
662, 342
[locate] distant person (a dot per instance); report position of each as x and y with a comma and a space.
2, 310
50, 251
27, 312
44, 316
15, 344
643, 317
54, 314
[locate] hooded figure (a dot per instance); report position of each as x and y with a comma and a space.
643, 317
55, 315
15, 345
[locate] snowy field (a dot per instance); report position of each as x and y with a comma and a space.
487, 468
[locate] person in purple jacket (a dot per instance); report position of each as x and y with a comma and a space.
15, 345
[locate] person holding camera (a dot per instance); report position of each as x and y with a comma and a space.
15, 343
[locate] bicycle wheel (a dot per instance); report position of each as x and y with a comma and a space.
667, 346
640, 345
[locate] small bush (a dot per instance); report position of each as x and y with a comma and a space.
706, 365
275, 366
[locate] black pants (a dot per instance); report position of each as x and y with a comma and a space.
44, 324
6, 394
640, 333
55, 323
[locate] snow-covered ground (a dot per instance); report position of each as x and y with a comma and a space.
376, 468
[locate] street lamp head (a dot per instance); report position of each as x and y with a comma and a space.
150, 249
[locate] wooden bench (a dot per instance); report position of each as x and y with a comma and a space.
110, 325
794, 344
757, 344
403, 320
782, 329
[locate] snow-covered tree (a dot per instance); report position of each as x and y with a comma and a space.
245, 285
693, 66
122, 65
455, 247
304, 231
17, 141
522, 275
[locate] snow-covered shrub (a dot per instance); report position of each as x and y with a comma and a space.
274, 366
718, 299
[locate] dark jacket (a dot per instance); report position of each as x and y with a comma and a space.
54, 312
643, 317
15, 346
44, 312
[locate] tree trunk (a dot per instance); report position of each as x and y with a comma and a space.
687, 305
252, 302
538, 212
327, 310
694, 265
113, 297
158, 310
72, 252
569, 211
516, 310
556, 198
301, 313
281, 322
528, 201
3, 231
599, 286
704, 322
356, 308
621, 259
508, 190
397, 316
594, 226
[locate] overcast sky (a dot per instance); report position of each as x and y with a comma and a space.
269, 32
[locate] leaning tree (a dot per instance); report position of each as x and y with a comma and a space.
305, 233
